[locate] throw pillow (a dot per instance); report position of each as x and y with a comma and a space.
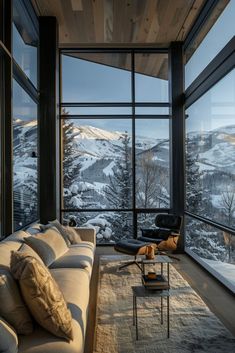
73, 235
42, 295
61, 229
8, 338
48, 245
12, 307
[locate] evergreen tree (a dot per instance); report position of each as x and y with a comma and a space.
118, 192
71, 167
200, 237
194, 193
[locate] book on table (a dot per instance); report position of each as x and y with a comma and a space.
160, 282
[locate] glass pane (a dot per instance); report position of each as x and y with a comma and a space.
97, 163
152, 110
210, 163
152, 163
1, 116
25, 137
110, 226
97, 110
218, 36
213, 248
145, 220
88, 79
151, 78
25, 41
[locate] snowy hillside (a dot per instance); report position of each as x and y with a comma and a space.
216, 148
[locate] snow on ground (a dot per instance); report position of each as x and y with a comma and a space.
221, 154
109, 169
86, 162
224, 269
205, 167
216, 201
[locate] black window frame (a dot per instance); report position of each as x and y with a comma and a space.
25, 83
135, 211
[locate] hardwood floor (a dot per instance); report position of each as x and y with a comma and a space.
220, 300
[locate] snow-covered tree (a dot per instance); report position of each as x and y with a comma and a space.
228, 209
200, 237
150, 184
118, 192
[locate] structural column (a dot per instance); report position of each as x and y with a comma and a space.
6, 207
49, 119
177, 128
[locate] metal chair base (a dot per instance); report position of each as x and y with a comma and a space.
129, 263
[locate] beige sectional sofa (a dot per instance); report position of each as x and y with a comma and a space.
72, 272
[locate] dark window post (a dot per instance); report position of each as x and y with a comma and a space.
177, 127
48, 119
6, 117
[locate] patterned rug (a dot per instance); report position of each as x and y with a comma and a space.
193, 327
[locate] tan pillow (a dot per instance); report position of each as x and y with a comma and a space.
73, 235
42, 295
8, 338
49, 245
61, 229
12, 307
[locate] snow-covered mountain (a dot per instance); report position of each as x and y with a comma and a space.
215, 149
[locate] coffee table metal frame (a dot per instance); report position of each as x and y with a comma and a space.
159, 259
142, 292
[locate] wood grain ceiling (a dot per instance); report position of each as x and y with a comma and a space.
120, 22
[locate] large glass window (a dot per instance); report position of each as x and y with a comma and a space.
218, 36
210, 166
25, 154
97, 163
25, 41
152, 163
213, 248
93, 77
115, 152
151, 77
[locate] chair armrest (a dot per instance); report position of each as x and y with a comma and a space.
87, 234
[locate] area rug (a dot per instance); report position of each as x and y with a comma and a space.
193, 327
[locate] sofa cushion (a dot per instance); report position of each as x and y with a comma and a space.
12, 242
78, 256
73, 235
42, 295
12, 307
61, 229
26, 249
49, 245
74, 284
8, 338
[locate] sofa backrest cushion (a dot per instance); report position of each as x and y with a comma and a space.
73, 235
8, 338
12, 242
26, 249
42, 295
61, 229
49, 245
12, 307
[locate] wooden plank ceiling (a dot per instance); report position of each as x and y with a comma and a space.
122, 23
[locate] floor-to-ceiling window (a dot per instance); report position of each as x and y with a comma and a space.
210, 150
25, 114
115, 140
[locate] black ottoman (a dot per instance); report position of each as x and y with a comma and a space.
131, 247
